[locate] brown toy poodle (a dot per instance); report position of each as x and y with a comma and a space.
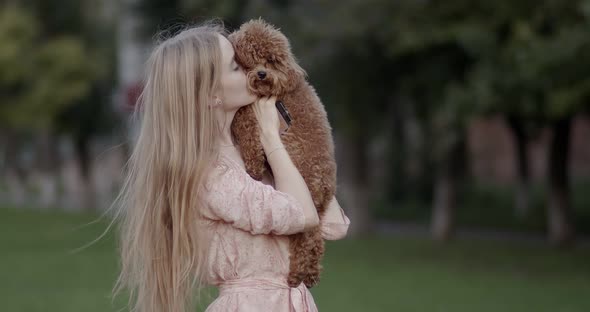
265, 54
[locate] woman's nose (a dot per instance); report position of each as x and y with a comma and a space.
261, 74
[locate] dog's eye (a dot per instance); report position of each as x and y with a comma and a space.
272, 59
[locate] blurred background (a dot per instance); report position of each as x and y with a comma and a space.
461, 127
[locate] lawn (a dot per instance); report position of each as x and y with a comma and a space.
40, 273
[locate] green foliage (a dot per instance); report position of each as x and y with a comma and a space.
173, 16
17, 32
63, 17
536, 70
67, 77
39, 78
459, 58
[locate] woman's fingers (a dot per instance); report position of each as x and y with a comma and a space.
266, 113
270, 100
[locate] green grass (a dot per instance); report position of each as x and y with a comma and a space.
39, 273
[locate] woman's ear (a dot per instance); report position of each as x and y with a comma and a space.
217, 101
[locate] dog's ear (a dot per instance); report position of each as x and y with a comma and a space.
262, 42
294, 74
243, 48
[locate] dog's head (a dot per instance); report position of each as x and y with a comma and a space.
265, 54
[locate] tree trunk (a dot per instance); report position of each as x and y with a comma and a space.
450, 169
521, 199
47, 177
76, 186
14, 173
398, 181
81, 149
353, 184
445, 199
559, 214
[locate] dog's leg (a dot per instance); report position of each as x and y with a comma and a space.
316, 248
297, 259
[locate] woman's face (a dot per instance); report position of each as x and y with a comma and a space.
234, 90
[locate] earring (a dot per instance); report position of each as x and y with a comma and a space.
217, 103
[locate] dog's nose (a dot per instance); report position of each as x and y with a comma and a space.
261, 74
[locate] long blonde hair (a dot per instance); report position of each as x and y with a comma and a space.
161, 244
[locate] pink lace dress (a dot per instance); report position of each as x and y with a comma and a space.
248, 221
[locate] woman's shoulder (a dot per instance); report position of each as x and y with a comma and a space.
219, 169
227, 170
225, 166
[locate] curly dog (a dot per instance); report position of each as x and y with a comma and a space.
265, 54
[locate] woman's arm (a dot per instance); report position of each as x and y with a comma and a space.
232, 196
334, 224
287, 178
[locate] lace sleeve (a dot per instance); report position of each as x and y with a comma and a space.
234, 197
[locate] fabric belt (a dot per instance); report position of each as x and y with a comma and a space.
296, 295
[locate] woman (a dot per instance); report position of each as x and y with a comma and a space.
192, 215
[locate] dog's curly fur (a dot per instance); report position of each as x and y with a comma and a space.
260, 47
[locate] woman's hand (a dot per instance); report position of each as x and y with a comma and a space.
267, 116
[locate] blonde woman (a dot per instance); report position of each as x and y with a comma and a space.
191, 215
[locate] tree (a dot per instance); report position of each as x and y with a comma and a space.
536, 76
40, 79
437, 44
524, 60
